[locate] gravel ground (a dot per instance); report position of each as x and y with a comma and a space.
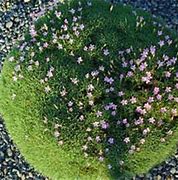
14, 19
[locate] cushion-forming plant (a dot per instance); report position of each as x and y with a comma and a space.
92, 91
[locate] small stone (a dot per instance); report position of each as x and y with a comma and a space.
9, 152
9, 24
1, 156
173, 171
158, 177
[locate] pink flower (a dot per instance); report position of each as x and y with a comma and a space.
167, 74
176, 86
170, 97
159, 97
104, 125
160, 33
124, 121
140, 110
129, 74
168, 89
101, 158
139, 121
143, 66
113, 113
145, 132
70, 103
99, 113
45, 45
163, 110
151, 99
156, 90
153, 50
147, 106
124, 102
133, 100
121, 93
161, 43
151, 120
109, 80
147, 78
111, 140
176, 74
98, 139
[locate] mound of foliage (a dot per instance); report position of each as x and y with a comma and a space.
92, 91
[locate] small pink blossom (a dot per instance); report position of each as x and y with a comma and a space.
174, 112
111, 140
168, 89
156, 90
176, 86
133, 100
109, 80
120, 93
151, 120
167, 74
163, 110
124, 102
147, 106
159, 97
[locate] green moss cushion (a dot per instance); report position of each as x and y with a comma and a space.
92, 92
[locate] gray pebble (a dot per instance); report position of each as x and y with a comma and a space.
9, 24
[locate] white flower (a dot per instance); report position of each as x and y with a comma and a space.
79, 60
127, 140
70, 103
61, 142
47, 89
14, 78
37, 63
81, 26
56, 134
49, 74
85, 147
13, 96
72, 11
142, 141
96, 124
74, 80
101, 68
11, 59
81, 118
17, 68
106, 52
90, 87
91, 102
